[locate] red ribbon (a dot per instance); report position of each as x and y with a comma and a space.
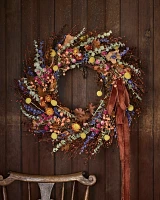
119, 100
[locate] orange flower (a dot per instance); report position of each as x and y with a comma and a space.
75, 51
76, 127
49, 111
43, 104
48, 98
68, 39
96, 43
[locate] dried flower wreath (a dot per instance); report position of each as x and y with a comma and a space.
83, 130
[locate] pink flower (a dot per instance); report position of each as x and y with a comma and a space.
105, 112
59, 64
97, 62
107, 67
73, 60
102, 123
98, 125
104, 53
46, 128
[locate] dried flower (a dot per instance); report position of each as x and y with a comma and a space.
113, 56
76, 127
49, 111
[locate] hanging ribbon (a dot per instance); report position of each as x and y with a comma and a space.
119, 101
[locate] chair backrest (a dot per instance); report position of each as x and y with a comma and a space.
46, 183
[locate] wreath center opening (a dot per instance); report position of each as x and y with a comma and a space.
75, 91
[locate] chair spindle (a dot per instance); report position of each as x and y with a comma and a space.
29, 191
73, 190
62, 198
4, 193
87, 194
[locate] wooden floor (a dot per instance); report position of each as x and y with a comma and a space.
22, 21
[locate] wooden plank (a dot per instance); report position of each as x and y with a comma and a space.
79, 19
30, 146
97, 166
146, 119
46, 29
129, 29
2, 88
47, 18
2, 92
156, 126
113, 16
63, 10
13, 67
113, 170
30, 163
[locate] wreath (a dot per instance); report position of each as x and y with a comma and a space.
83, 130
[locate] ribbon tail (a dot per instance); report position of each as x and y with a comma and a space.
124, 147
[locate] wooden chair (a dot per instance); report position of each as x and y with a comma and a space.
46, 183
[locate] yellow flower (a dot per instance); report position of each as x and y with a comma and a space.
54, 103
76, 127
28, 100
99, 93
106, 137
130, 107
91, 60
53, 53
54, 136
55, 68
49, 111
127, 75
83, 135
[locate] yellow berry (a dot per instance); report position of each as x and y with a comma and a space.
54, 136
130, 107
53, 53
54, 102
99, 93
91, 60
83, 135
28, 100
106, 137
127, 75
55, 67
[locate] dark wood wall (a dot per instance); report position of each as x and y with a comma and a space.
22, 21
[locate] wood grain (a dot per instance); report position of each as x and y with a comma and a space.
146, 119
23, 21
46, 28
96, 20
129, 15
30, 145
79, 19
62, 163
156, 108
13, 68
2, 92
113, 170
